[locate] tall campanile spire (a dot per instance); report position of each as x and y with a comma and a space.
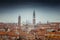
34, 17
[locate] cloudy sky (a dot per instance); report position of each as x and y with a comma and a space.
45, 10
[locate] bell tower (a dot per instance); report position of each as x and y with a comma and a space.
34, 21
19, 22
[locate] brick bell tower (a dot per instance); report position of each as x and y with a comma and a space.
19, 22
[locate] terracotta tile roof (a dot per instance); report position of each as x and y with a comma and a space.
3, 33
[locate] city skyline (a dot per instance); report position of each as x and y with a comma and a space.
9, 12
29, 17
